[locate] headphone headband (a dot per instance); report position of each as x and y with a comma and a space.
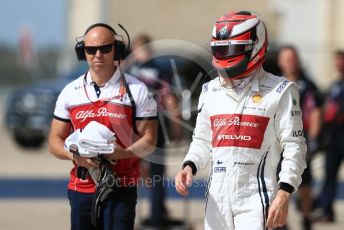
100, 25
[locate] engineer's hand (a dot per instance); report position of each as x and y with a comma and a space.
183, 180
278, 210
85, 162
116, 155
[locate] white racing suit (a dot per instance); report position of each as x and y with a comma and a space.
245, 137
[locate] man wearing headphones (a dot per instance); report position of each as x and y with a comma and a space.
121, 103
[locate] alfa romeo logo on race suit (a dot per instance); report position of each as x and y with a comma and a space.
238, 130
189, 67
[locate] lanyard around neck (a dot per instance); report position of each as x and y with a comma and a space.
121, 92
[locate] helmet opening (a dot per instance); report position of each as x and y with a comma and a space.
243, 12
227, 51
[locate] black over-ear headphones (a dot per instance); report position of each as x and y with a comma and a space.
120, 47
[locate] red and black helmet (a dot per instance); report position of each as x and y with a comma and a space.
239, 43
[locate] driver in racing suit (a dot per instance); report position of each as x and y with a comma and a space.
245, 128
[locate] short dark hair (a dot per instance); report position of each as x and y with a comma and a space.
143, 39
288, 47
291, 48
339, 52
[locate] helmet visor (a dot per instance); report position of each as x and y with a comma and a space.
226, 49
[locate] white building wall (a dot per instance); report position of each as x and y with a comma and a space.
81, 14
313, 26
190, 20
310, 26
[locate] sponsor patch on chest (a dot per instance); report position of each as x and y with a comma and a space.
238, 130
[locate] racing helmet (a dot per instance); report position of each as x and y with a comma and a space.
239, 43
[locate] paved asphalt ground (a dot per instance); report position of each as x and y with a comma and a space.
33, 190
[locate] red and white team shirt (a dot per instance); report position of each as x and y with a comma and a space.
79, 104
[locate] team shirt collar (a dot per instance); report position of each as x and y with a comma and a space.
112, 81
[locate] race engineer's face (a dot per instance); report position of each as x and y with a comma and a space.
339, 63
288, 62
99, 49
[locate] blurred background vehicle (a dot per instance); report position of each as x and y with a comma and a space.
29, 109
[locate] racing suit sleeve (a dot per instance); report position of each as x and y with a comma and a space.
289, 129
200, 147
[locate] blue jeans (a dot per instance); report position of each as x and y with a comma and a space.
334, 158
118, 211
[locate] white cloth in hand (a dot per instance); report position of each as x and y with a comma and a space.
98, 138
73, 139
